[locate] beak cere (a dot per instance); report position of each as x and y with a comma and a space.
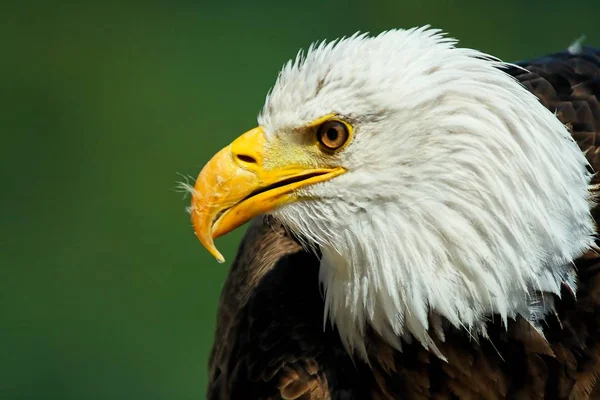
235, 186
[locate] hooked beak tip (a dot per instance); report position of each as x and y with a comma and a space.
204, 233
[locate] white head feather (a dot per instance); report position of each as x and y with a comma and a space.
464, 195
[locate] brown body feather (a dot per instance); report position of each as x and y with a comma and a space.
271, 342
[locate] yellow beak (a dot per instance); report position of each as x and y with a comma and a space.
235, 186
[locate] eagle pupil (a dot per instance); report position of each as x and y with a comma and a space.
332, 134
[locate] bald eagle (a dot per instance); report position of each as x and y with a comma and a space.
423, 227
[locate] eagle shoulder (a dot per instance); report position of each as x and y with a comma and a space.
568, 83
270, 342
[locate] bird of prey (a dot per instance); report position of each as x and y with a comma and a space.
423, 227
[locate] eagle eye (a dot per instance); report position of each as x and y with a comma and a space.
333, 134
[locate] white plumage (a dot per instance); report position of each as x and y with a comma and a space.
463, 197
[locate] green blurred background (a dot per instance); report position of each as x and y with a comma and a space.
104, 291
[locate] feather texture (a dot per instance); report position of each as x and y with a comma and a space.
271, 342
464, 195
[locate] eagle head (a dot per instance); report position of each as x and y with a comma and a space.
432, 182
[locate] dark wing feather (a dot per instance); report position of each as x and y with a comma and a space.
569, 84
270, 342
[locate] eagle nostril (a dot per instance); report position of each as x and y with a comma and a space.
246, 159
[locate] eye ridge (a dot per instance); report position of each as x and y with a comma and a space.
332, 134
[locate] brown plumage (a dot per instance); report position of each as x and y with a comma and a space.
270, 342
